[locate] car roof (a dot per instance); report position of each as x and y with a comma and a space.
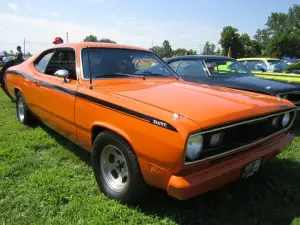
201, 57
258, 58
99, 45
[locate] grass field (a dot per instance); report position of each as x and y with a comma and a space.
45, 179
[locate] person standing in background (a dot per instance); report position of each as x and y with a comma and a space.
19, 55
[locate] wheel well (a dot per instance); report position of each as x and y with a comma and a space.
16, 90
98, 129
95, 131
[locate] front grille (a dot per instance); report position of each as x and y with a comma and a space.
237, 137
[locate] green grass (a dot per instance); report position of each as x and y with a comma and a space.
45, 179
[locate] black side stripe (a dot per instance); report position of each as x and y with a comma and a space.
101, 102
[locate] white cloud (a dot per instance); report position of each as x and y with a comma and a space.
137, 32
51, 13
12, 7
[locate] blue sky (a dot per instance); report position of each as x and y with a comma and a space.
185, 24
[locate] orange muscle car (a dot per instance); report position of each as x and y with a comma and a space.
143, 124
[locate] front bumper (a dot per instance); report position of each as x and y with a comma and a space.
223, 172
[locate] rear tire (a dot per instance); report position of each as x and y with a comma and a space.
23, 113
116, 168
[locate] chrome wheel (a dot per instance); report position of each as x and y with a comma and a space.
114, 168
21, 113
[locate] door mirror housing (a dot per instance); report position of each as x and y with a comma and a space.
62, 74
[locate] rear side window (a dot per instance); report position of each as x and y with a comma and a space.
256, 65
191, 68
41, 65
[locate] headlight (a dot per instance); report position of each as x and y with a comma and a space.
216, 139
286, 119
194, 147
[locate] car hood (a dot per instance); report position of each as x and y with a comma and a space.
206, 105
253, 83
293, 66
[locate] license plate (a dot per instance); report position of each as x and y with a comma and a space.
251, 168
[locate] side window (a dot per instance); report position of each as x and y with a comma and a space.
62, 60
191, 68
256, 65
174, 65
42, 64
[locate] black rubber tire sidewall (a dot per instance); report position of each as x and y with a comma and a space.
28, 118
137, 186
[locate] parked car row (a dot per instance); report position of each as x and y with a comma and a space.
273, 69
187, 130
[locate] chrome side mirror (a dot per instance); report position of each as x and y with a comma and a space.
62, 74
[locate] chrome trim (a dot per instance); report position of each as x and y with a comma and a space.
245, 146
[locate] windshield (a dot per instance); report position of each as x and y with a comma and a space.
110, 62
225, 67
278, 65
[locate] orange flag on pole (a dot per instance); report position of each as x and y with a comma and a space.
229, 52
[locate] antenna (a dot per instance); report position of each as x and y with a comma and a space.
88, 51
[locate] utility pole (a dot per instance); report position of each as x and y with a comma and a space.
67, 37
24, 48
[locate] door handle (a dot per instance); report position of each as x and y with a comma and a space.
37, 83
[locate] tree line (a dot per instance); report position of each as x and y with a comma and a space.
279, 38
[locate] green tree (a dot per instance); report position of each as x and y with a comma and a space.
157, 50
209, 48
262, 36
107, 40
180, 52
231, 38
245, 39
191, 52
166, 49
281, 35
252, 49
90, 38
183, 51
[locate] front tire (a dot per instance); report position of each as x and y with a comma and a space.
116, 168
23, 113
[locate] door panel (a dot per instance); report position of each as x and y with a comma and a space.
57, 101
55, 98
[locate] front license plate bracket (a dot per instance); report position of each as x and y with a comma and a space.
251, 168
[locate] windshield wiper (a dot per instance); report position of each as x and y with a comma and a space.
119, 74
149, 73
